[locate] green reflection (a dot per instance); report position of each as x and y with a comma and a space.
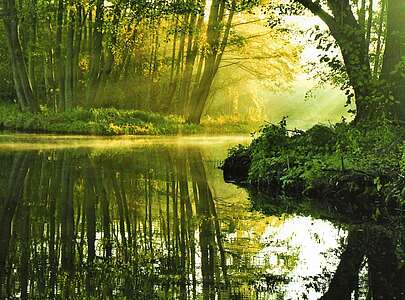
115, 224
158, 222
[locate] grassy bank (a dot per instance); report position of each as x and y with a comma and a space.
110, 121
349, 168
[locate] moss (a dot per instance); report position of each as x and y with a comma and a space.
110, 121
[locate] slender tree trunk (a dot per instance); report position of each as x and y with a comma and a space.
380, 37
78, 39
212, 61
192, 53
177, 66
96, 54
369, 26
32, 44
59, 56
69, 62
110, 59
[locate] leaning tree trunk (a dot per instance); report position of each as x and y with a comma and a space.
351, 38
212, 61
25, 94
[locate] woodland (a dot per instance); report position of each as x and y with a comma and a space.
161, 57
144, 222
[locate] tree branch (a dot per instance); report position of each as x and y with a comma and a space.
248, 22
316, 9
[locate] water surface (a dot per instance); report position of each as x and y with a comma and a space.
147, 218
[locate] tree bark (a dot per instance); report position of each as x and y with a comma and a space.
96, 54
69, 62
350, 36
393, 71
216, 49
380, 37
59, 57
25, 94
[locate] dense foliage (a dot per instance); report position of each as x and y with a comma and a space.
361, 165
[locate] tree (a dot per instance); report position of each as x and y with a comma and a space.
393, 70
372, 97
350, 37
162, 56
22, 84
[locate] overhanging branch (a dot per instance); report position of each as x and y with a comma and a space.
316, 9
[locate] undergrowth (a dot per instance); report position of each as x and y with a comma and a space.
363, 162
110, 121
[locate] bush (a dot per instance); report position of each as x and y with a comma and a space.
297, 161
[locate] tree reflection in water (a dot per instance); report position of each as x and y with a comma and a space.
382, 250
89, 224
78, 224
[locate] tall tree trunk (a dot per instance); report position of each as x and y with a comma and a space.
177, 66
380, 38
96, 54
192, 53
213, 59
393, 71
110, 59
69, 62
32, 44
59, 57
80, 28
369, 25
350, 36
25, 94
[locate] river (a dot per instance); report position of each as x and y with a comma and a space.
147, 218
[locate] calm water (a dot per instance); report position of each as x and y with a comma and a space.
148, 218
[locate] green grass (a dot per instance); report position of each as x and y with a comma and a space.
110, 121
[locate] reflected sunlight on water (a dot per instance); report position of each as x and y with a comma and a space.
146, 217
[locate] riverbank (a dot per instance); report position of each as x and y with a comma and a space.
354, 170
110, 122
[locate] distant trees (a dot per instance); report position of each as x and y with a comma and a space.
7, 91
152, 55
